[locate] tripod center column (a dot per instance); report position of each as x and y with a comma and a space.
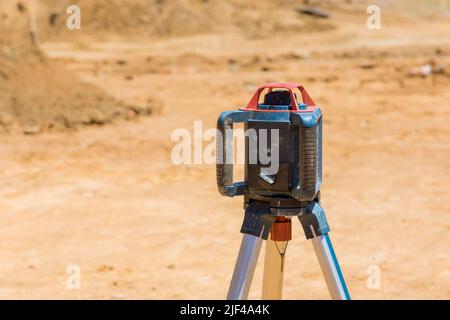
276, 246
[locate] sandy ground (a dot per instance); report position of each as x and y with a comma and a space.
109, 199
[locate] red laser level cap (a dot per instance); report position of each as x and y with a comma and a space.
253, 105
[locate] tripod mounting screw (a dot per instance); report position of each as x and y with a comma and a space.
281, 229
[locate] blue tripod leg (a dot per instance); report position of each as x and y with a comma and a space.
330, 267
316, 228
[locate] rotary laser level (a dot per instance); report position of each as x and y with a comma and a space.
274, 191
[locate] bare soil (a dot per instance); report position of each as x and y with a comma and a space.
39, 94
109, 199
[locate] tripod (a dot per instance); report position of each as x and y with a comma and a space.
273, 196
262, 219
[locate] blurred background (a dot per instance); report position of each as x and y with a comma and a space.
86, 118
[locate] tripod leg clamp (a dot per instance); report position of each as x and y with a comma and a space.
314, 221
258, 219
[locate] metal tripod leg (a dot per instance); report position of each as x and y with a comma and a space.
255, 227
245, 267
316, 228
330, 267
273, 270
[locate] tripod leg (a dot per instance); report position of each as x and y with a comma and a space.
245, 267
273, 270
316, 228
330, 267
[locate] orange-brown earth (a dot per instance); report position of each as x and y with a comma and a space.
109, 199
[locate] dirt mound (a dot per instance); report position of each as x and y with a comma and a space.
38, 94
164, 18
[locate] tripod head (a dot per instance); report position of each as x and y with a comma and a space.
283, 147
